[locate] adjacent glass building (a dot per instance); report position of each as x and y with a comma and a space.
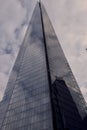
42, 93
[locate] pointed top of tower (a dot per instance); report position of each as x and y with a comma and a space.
39, 1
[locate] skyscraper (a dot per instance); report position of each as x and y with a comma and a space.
42, 93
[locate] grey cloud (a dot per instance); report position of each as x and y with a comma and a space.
8, 49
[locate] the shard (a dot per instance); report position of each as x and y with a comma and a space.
42, 93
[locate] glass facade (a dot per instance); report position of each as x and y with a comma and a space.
29, 106
42, 93
69, 107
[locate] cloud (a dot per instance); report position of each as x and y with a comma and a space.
10, 19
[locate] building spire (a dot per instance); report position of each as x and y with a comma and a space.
39, 1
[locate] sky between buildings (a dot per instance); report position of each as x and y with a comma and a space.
69, 19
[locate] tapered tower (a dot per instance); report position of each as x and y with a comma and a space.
42, 93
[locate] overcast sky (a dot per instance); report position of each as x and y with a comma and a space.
69, 18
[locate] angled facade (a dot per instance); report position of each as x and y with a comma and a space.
42, 93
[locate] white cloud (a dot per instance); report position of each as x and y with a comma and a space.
10, 19
6, 63
10, 15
